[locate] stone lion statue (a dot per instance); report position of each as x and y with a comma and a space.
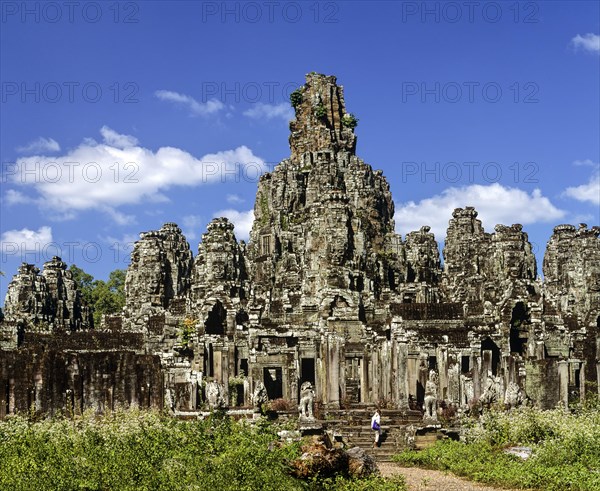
492, 393
514, 396
215, 395
430, 402
307, 398
259, 397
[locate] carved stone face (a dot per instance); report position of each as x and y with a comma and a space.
154, 279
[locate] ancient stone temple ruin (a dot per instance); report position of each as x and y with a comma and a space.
324, 292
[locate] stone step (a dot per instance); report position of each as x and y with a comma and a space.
426, 438
381, 454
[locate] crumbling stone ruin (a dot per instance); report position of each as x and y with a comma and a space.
325, 293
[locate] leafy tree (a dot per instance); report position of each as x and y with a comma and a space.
104, 297
84, 282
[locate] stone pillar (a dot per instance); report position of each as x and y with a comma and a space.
218, 363
38, 387
385, 361
11, 395
375, 375
598, 376
476, 367
582, 368
412, 367
442, 362
563, 383
364, 376
402, 375
333, 371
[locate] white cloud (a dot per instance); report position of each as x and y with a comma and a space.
40, 145
588, 42
270, 111
25, 241
114, 139
196, 108
242, 221
495, 203
12, 197
589, 192
191, 226
104, 176
234, 199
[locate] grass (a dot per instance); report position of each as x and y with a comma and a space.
143, 450
565, 450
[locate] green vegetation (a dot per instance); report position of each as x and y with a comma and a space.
320, 111
565, 450
349, 121
142, 450
264, 209
104, 297
187, 330
296, 98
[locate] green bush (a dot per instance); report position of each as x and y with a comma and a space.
141, 451
349, 121
320, 111
565, 450
296, 98
144, 450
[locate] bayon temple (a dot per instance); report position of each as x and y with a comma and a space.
325, 292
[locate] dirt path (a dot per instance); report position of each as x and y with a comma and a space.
428, 480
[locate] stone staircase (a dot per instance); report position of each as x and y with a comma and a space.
354, 426
427, 440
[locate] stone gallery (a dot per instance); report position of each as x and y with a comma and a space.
326, 293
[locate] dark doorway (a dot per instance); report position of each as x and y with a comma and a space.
489, 345
243, 367
217, 320
519, 319
307, 370
465, 364
208, 361
353, 373
273, 382
420, 393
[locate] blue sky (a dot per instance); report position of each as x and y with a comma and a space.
118, 117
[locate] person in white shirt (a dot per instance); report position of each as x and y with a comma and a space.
376, 427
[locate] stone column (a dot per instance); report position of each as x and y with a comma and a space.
4, 398
385, 370
442, 362
402, 375
598, 376
412, 367
582, 368
333, 370
364, 376
563, 383
476, 367
11, 394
